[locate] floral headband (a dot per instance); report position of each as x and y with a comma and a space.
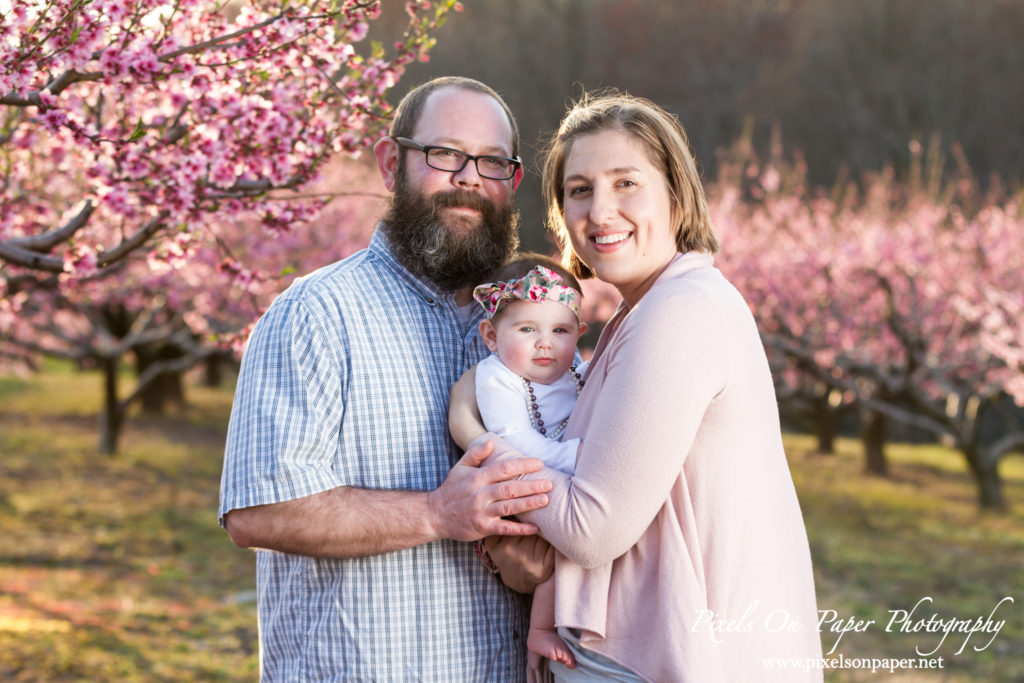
540, 284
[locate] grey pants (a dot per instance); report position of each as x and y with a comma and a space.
590, 666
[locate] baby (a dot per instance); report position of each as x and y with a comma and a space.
527, 388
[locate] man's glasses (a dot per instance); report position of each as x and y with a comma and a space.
453, 160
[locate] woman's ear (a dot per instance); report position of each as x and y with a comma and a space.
386, 150
489, 334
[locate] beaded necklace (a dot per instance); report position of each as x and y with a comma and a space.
533, 408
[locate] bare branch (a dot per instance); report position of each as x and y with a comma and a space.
332, 195
213, 42
34, 347
69, 78
65, 80
16, 254
130, 341
253, 188
907, 417
30, 259
930, 420
151, 373
174, 134
1014, 441
135, 241
49, 240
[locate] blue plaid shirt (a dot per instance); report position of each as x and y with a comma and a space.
345, 382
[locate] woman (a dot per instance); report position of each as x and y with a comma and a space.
682, 551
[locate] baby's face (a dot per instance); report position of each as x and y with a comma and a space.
536, 340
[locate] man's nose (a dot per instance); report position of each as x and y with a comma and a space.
468, 177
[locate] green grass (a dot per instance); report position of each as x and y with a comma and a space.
114, 569
882, 544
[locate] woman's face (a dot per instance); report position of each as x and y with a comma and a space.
618, 211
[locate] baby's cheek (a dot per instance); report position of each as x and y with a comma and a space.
567, 354
519, 358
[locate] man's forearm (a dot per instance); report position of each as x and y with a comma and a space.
342, 522
475, 500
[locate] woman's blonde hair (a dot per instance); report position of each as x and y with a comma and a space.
668, 148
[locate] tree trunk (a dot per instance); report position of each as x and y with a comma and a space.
986, 474
826, 426
165, 390
873, 437
213, 370
110, 415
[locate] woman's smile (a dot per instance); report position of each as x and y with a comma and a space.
618, 211
609, 241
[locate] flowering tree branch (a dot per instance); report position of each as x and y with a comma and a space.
172, 119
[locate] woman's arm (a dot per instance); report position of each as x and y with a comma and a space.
664, 367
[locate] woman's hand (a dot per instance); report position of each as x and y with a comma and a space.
464, 421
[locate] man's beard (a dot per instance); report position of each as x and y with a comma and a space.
451, 258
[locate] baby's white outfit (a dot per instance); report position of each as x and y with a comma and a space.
504, 403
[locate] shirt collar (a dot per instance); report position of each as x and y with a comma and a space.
380, 247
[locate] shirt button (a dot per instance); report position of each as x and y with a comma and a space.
430, 300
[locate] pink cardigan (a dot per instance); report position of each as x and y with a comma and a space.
683, 550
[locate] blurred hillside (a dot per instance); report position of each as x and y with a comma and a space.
848, 83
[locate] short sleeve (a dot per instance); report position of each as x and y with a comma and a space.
289, 402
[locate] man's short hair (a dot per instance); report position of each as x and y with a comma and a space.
409, 110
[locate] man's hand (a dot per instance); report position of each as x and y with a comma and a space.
476, 495
523, 561
353, 522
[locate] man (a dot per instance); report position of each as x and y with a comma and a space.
338, 455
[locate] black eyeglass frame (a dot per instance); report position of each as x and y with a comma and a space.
516, 162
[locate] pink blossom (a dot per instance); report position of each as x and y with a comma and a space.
80, 260
256, 109
358, 31
53, 119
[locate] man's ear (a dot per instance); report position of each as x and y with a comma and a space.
386, 150
489, 334
517, 178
